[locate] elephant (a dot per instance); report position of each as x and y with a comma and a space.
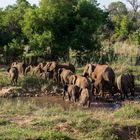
85, 97
73, 92
21, 66
89, 68
67, 66
54, 66
64, 75
37, 70
103, 77
125, 84
80, 81
14, 73
34, 70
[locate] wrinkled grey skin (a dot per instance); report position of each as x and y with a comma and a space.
125, 84
13, 72
73, 92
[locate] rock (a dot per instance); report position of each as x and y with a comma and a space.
10, 92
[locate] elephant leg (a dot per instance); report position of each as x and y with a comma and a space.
132, 91
12, 81
64, 94
122, 95
69, 97
101, 89
88, 103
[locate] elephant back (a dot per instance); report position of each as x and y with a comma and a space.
83, 82
109, 75
68, 66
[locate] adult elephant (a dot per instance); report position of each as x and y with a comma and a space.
54, 66
64, 75
125, 84
21, 66
103, 78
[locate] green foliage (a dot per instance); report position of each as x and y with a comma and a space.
3, 121
33, 82
117, 9
52, 28
135, 37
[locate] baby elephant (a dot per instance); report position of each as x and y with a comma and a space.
73, 92
14, 73
125, 84
85, 97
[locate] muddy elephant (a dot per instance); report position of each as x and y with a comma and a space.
14, 74
80, 81
104, 78
21, 66
89, 68
73, 92
125, 84
64, 75
85, 97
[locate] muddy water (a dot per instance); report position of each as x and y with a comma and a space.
49, 101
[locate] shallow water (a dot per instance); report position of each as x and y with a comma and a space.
49, 101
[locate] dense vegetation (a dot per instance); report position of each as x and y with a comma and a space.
66, 30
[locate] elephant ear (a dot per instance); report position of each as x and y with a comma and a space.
74, 79
53, 66
86, 70
90, 69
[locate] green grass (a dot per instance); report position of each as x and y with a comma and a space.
52, 122
3, 121
128, 111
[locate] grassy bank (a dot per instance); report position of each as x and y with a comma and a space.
26, 120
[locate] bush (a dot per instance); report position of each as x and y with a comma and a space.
33, 82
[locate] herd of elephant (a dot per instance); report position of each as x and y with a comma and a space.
97, 80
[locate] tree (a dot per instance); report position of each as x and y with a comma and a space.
117, 9
135, 5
